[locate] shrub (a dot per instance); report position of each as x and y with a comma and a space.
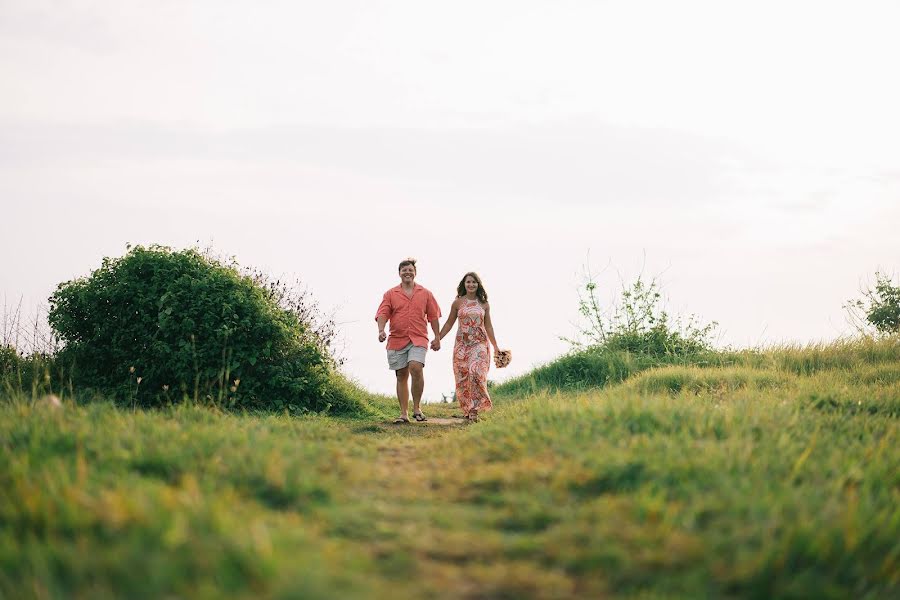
632, 335
879, 307
158, 325
9, 361
637, 323
34, 374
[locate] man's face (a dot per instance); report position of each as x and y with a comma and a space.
407, 273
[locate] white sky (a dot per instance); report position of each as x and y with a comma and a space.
751, 150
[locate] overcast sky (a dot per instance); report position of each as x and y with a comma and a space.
747, 153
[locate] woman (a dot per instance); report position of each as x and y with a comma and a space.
471, 355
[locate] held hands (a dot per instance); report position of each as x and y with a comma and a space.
436, 344
382, 336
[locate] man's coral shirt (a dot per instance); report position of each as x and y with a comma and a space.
408, 316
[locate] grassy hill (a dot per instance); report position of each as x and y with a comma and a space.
744, 474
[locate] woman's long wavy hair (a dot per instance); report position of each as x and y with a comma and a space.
479, 293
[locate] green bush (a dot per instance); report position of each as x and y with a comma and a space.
35, 374
879, 308
637, 323
9, 362
157, 325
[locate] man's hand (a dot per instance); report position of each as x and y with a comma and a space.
382, 336
436, 344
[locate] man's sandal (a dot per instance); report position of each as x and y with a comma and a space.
419, 417
400, 420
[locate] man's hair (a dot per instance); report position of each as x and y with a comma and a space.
408, 261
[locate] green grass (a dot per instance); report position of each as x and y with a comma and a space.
599, 367
757, 474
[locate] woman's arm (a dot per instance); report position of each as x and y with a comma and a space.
451, 319
488, 326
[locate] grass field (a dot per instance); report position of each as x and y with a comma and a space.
771, 474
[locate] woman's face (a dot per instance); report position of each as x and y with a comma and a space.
471, 285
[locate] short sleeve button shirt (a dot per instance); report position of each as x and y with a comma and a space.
408, 316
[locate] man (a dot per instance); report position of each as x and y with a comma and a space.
408, 307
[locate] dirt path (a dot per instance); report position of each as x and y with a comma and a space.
431, 422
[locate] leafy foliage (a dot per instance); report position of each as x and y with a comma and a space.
879, 307
27, 353
9, 361
158, 325
35, 374
638, 323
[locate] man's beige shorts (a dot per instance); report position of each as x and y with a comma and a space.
399, 359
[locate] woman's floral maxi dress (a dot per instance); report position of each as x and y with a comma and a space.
471, 359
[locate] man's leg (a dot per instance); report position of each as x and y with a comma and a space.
418, 383
403, 390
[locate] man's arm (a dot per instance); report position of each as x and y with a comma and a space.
382, 315
436, 328
433, 313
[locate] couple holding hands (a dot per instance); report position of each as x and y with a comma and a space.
408, 307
